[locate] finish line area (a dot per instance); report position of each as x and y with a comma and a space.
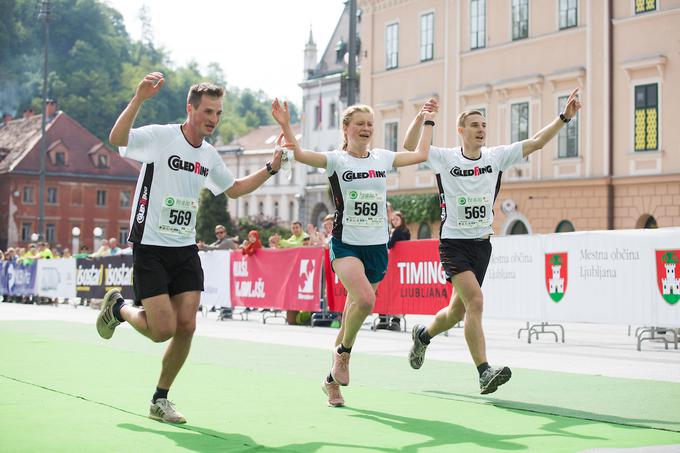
249, 386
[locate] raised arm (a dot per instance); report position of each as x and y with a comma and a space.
146, 89
404, 158
282, 116
247, 184
546, 134
413, 131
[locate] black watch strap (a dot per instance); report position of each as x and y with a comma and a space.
428, 123
270, 169
564, 118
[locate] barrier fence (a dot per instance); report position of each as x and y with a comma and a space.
612, 277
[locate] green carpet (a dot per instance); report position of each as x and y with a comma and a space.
64, 389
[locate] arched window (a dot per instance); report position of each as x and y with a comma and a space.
519, 228
651, 223
424, 231
246, 209
276, 210
646, 221
291, 211
260, 208
564, 226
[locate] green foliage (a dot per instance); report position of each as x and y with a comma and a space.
94, 68
265, 226
420, 208
212, 210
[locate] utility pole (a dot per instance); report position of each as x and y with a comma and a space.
352, 64
44, 15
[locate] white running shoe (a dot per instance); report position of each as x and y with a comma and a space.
332, 390
106, 322
164, 410
340, 369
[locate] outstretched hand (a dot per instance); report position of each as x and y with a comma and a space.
280, 112
573, 105
276, 158
150, 85
431, 107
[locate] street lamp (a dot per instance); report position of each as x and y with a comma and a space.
44, 15
75, 241
35, 237
97, 232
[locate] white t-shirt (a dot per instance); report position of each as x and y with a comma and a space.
359, 187
169, 184
468, 188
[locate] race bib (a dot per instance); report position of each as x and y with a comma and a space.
178, 216
474, 210
365, 208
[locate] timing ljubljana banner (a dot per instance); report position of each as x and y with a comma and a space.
288, 279
95, 276
611, 277
415, 282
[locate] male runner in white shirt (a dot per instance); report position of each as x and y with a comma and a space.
468, 178
168, 278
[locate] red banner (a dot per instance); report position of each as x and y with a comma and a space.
287, 279
415, 282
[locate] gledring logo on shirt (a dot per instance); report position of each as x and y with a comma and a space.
476, 171
352, 175
143, 201
176, 163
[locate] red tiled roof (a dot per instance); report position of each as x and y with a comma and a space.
262, 138
20, 140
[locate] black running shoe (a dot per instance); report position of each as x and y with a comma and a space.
492, 378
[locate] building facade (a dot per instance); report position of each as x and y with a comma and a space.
324, 98
86, 184
616, 165
279, 198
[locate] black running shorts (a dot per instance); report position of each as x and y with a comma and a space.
460, 255
165, 270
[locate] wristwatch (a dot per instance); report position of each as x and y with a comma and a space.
564, 118
270, 169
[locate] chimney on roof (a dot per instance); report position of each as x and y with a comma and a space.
6, 118
28, 113
50, 109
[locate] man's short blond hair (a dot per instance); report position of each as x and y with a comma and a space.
464, 115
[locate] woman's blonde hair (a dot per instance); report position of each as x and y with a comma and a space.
347, 118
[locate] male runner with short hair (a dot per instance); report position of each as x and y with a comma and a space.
168, 278
468, 178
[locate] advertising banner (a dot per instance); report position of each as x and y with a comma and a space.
288, 279
613, 277
514, 280
18, 279
216, 282
3, 278
56, 278
415, 282
95, 276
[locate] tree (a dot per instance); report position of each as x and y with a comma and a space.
420, 208
212, 210
265, 226
94, 68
